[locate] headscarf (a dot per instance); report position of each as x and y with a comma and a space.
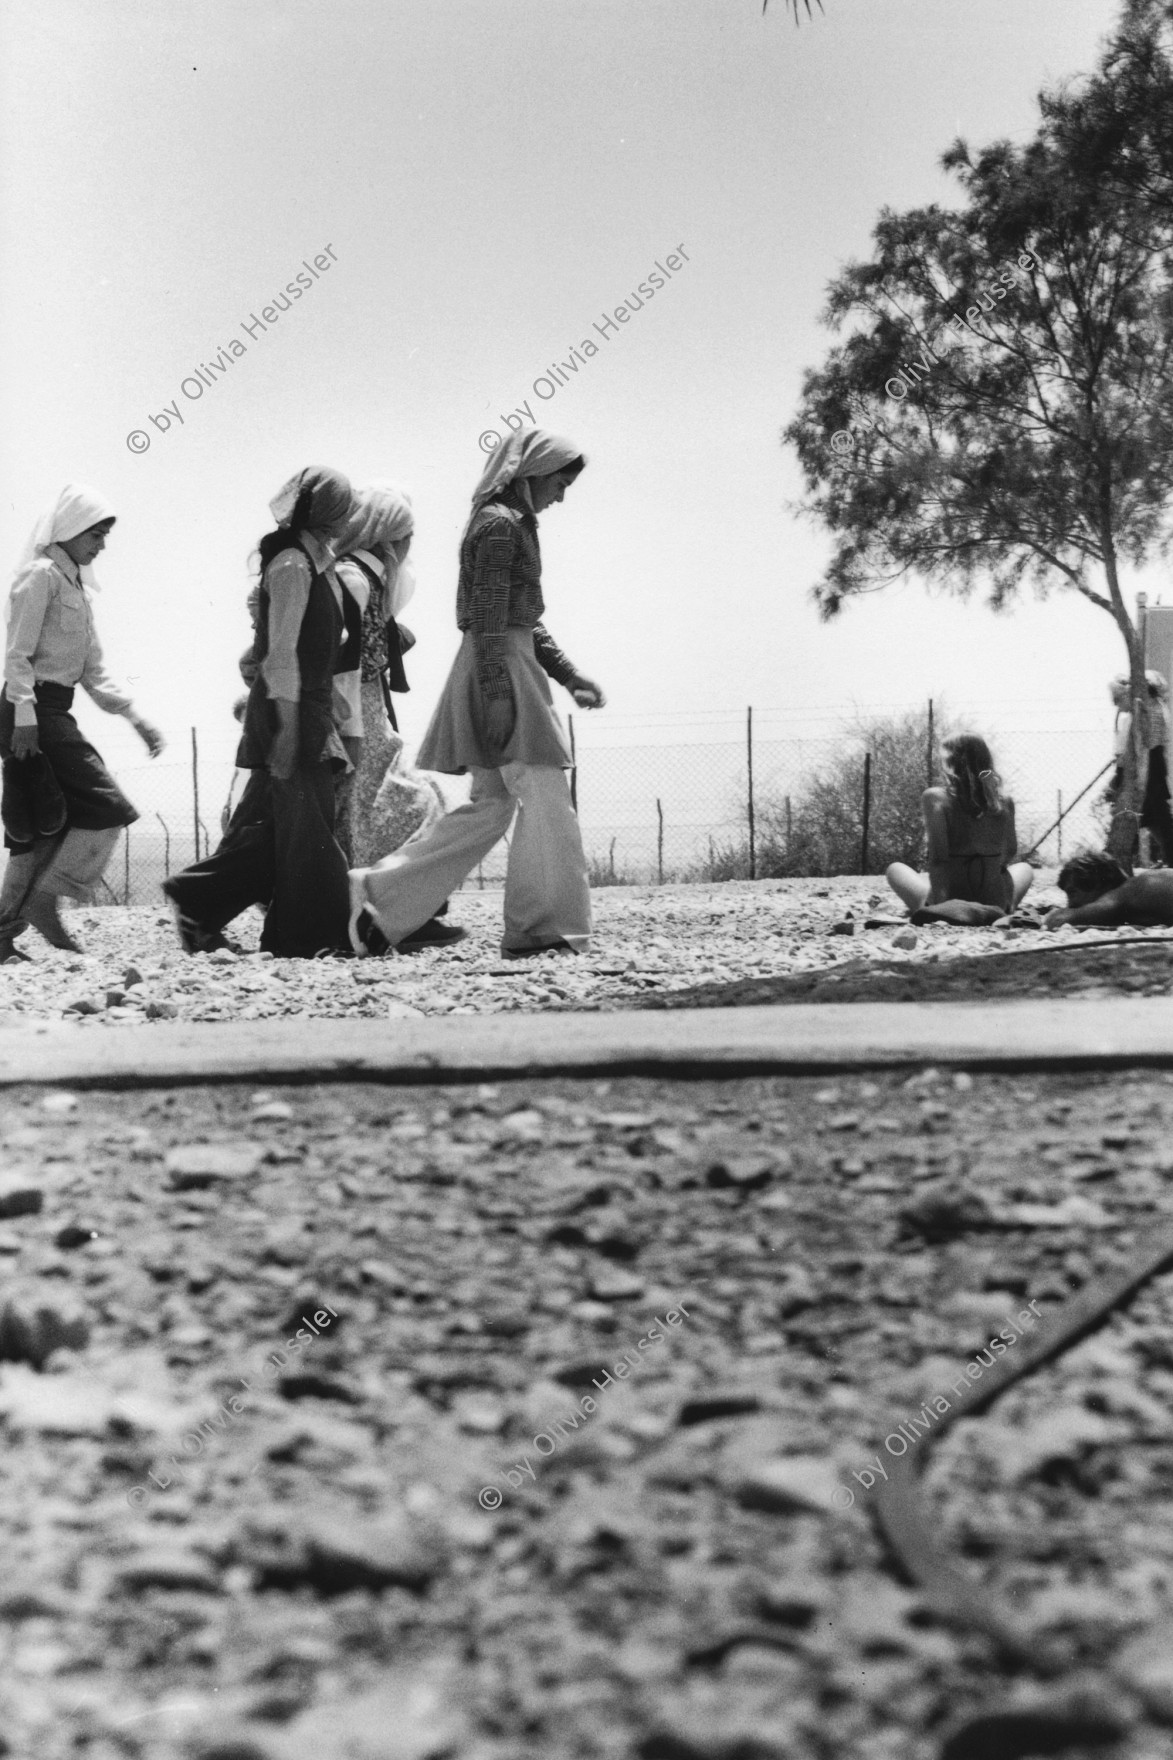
382, 525
331, 497
76, 509
529, 452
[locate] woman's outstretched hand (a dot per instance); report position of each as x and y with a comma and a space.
586, 693
150, 736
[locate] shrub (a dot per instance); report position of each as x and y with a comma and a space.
826, 818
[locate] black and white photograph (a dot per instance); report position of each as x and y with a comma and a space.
586, 916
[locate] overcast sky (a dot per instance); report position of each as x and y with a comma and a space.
492, 177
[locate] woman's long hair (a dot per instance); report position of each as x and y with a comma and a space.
970, 776
281, 537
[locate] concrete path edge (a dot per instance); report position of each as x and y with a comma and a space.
800, 1039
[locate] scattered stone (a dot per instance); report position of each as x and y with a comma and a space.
708, 1410
1082, 1716
1146, 1665
272, 1113
749, 1171
19, 1196
59, 1102
86, 1005
907, 939
615, 1286
333, 1556
792, 1482
167, 1569
206, 1164
34, 1322
942, 1212
414, 1714
74, 1234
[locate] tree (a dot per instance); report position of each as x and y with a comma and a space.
1032, 446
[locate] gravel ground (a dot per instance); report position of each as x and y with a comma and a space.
671, 945
395, 1545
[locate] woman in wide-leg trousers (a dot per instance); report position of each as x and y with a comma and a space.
496, 719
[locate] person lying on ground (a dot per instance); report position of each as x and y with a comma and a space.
972, 844
1100, 892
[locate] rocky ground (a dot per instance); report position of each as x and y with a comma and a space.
771, 940
455, 1524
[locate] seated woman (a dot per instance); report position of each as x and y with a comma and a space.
1100, 892
973, 876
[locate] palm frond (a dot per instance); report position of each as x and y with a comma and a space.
794, 6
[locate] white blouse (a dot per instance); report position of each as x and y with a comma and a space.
52, 639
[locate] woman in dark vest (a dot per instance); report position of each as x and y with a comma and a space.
279, 850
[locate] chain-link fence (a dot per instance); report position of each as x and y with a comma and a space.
673, 800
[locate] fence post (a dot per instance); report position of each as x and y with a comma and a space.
753, 854
929, 765
573, 766
1059, 822
195, 790
126, 861
867, 811
788, 826
166, 846
660, 840
612, 861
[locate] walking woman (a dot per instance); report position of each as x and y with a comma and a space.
496, 719
279, 850
375, 573
1155, 815
971, 837
62, 808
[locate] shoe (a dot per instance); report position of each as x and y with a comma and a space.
433, 933
15, 804
193, 937
10, 954
42, 911
48, 802
370, 938
558, 946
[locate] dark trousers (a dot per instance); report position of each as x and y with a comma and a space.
92, 797
1155, 813
278, 851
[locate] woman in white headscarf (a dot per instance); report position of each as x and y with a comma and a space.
377, 577
279, 850
62, 809
496, 718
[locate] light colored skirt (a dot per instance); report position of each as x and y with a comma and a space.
455, 740
391, 803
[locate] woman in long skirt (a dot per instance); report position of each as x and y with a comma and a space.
279, 850
375, 572
62, 808
496, 719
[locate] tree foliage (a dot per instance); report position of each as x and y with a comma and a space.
1008, 379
